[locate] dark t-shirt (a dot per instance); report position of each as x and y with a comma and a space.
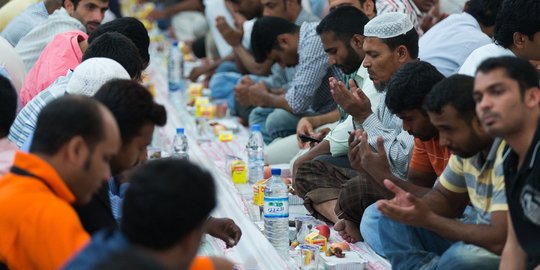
523, 195
97, 214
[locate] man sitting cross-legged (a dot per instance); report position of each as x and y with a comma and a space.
422, 232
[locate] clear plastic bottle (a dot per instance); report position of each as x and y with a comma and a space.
180, 145
255, 149
276, 213
174, 68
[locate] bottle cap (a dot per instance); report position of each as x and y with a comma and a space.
180, 131
175, 43
276, 171
256, 127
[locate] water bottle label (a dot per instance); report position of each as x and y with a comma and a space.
276, 207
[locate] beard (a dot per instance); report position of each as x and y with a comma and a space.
380, 87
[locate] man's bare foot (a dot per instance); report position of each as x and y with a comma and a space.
348, 230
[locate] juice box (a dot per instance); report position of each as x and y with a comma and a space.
238, 172
315, 238
258, 192
201, 102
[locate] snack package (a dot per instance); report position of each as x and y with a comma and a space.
315, 238
238, 171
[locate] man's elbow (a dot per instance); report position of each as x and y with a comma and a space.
497, 248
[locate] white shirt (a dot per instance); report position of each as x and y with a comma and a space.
339, 136
12, 63
481, 54
21, 25
31, 45
448, 44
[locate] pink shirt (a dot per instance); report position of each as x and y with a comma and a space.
61, 54
7, 153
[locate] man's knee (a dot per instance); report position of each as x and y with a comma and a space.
466, 256
281, 123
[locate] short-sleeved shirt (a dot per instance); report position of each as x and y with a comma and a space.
39, 228
523, 192
429, 156
482, 178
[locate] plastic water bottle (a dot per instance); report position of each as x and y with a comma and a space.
174, 67
180, 145
255, 149
276, 213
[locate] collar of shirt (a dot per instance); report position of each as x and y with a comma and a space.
42, 8
361, 75
305, 16
512, 157
39, 167
489, 160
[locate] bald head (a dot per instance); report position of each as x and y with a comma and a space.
78, 136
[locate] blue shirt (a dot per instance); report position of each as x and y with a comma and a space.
103, 244
116, 197
309, 91
448, 44
21, 25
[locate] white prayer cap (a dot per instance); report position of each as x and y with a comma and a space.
388, 25
93, 73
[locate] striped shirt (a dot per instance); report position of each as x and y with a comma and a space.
483, 181
116, 198
25, 123
31, 45
281, 77
309, 91
398, 143
403, 6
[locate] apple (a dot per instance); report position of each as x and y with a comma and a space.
324, 230
267, 172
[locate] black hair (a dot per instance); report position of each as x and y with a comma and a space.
199, 47
166, 200
8, 105
455, 91
409, 86
65, 118
515, 68
128, 259
344, 22
522, 16
484, 11
76, 3
264, 35
132, 106
118, 47
132, 29
409, 40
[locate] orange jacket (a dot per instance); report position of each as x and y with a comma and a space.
38, 227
